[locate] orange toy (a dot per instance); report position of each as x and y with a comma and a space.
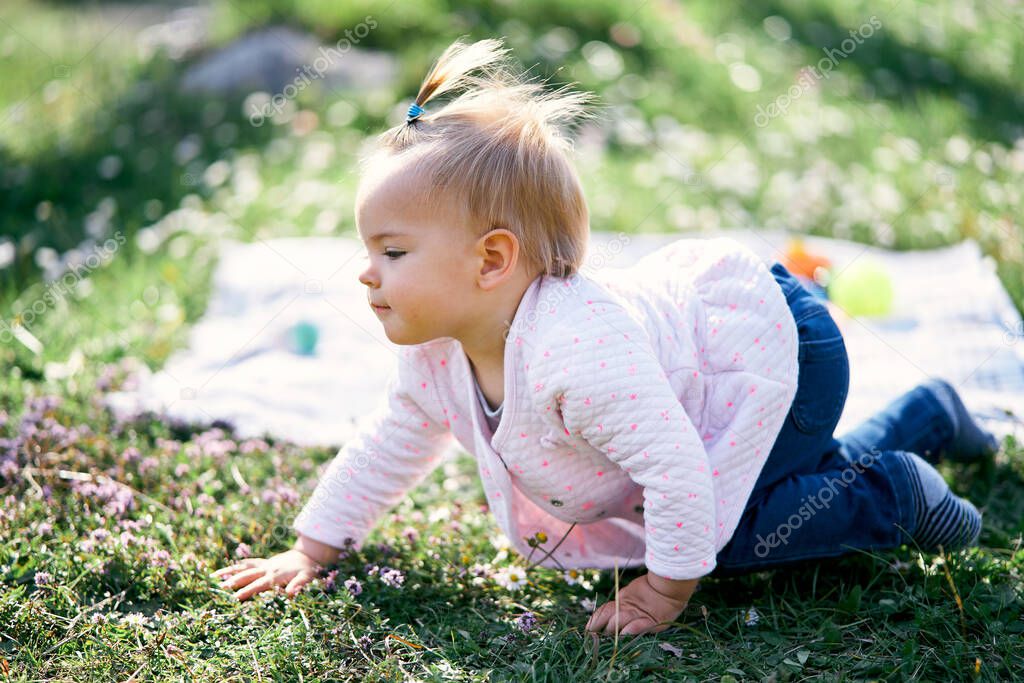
800, 262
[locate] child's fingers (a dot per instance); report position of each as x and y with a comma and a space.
614, 622
637, 626
299, 582
627, 618
599, 618
236, 567
604, 620
227, 571
243, 579
255, 587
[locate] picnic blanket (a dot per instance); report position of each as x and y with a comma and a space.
951, 318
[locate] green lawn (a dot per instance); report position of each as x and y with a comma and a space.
914, 140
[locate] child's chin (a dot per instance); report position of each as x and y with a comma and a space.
396, 336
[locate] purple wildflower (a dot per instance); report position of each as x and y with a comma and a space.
9, 469
148, 464
168, 446
393, 577
132, 524
353, 585
106, 378
254, 446
243, 550
526, 621
43, 578
127, 538
44, 404
160, 558
211, 443
280, 493
117, 499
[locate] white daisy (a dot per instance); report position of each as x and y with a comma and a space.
501, 542
572, 577
438, 514
511, 578
135, 619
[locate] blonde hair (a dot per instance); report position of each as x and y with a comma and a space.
498, 150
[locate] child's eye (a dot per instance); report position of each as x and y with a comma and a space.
393, 253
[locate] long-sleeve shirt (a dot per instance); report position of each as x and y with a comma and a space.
639, 407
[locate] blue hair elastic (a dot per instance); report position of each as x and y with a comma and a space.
414, 112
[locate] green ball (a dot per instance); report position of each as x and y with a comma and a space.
304, 338
862, 289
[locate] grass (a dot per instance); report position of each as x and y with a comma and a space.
127, 591
910, 143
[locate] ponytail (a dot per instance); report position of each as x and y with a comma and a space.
452, 68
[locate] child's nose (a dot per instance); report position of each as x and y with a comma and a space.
368, 278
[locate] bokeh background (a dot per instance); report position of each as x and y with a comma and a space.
136, 137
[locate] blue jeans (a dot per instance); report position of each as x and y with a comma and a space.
820, 496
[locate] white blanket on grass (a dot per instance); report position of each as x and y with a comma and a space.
951, 318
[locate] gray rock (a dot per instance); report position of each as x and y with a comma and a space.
272, 59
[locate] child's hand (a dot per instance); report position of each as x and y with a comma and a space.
292, 569
642, 607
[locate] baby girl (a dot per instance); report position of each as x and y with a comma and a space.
677, 414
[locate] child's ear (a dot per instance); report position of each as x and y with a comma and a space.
499, 255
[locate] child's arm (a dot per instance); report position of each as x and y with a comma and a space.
608, 386
394, 448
